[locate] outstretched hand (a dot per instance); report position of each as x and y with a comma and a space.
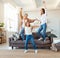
43, 1
36, 19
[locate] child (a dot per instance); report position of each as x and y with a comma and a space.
29, 36
43, 22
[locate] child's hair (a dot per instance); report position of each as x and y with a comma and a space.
27, 24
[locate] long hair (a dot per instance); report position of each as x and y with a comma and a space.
43, 10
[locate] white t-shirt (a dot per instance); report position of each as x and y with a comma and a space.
43, 19
23, 23
28, 31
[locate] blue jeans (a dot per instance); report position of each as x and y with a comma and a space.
42, 31
22, 33
29, 37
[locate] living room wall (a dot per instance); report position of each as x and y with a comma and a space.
1, 12
53, 17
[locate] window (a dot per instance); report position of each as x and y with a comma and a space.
11, 18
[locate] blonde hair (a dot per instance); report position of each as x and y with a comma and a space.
26, 14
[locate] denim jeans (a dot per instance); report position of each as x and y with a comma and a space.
42, 31
31, 38
22, 33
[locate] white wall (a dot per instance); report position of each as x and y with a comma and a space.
1, 12
53, 17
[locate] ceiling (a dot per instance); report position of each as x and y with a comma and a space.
34, 4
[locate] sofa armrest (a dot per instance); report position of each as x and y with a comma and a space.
11, 39
51, 39
51, 36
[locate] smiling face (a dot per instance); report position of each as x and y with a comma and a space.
42, 11
25, 16
27, 24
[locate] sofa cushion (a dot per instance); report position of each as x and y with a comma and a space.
42, 42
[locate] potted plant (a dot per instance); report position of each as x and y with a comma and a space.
1, 24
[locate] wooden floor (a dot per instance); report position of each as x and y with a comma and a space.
19, 53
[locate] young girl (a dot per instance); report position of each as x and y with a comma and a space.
29, 36
43, 21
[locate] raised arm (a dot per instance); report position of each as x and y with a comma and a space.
20, 19
44, 4
45, 7
31, 20
21, 16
